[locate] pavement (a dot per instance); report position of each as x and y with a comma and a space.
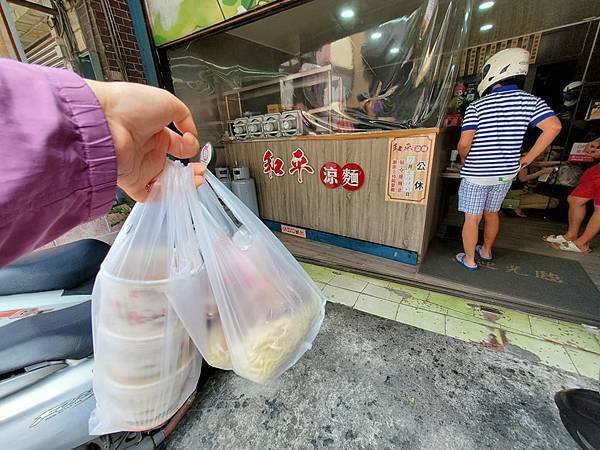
371, 382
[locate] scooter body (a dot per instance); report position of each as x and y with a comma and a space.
46, 352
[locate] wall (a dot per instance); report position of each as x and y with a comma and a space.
121, 61
362, 214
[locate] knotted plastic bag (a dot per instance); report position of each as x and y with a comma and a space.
270, 309
146, 364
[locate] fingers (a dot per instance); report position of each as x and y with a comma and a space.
181, 147
182, 117
199, 170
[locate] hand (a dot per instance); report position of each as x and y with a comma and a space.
593, 149
137, 116
525, 161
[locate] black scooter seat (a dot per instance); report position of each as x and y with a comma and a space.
51, 336
64, 267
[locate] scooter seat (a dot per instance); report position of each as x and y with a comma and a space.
64, 267
51, 336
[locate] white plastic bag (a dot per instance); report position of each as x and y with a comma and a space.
270, 309
146, 365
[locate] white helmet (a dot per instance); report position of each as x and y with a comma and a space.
508, 63
571, 93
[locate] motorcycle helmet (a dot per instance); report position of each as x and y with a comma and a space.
509, 63
571, 93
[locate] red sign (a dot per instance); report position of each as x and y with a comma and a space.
353, 177
331, 175
294, 231
299, 163
272, 165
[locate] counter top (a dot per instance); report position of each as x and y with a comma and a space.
348, 136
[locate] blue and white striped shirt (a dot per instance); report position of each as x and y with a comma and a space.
500, 119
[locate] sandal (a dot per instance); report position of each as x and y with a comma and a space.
460, 258
569, 246
481, 257
555, 239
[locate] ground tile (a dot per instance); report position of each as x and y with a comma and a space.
586, 363
376, 306
504, 318
339, 295
548, 353
453, 303
377, 291
318, 273
402, 291
565, 333
468, 331
420, 318
423, 304
346, 282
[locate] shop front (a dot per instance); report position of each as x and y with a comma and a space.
347, 114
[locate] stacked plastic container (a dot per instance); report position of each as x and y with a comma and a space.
146, 364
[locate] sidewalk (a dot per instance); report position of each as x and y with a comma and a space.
562, 345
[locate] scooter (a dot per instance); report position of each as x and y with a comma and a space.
46, 354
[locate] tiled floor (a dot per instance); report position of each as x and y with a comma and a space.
563, 345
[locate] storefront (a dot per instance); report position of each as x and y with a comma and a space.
346, 114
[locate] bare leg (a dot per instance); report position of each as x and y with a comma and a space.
590, 232
470, 235
577, 212
491, 228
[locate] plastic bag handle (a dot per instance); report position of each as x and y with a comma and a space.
241, 212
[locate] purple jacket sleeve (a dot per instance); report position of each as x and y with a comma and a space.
57, 160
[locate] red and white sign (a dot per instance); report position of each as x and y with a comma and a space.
299, 164
578, 153
353, 177
272, 166
294, 231
331, 175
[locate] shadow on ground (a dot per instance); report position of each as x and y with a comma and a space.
373, 383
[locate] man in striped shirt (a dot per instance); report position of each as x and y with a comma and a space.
490, 147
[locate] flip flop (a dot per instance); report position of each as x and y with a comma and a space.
478, 251
460, 258
569, 246
555, 239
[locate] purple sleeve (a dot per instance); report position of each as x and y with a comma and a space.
58, 164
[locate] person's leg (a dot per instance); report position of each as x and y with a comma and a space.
471, 200
491, 228
470, 236
577, 212
591, 230
491, 217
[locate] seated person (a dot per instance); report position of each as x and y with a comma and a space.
521, 191
587, 189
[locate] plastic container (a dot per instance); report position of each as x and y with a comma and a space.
135, 360
133, 308
141, 407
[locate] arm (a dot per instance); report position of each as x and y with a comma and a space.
62, 142
469, 128
465, 142
545, 119
535, 175
58, 162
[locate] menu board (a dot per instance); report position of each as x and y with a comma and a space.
409, 163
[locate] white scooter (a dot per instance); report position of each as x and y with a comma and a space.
46, 354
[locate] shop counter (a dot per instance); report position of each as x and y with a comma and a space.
377, 192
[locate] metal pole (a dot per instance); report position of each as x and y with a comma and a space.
14, 36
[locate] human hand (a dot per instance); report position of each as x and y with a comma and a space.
593, 148
525, 161
137, 116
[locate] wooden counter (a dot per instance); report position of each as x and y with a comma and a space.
363, 214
